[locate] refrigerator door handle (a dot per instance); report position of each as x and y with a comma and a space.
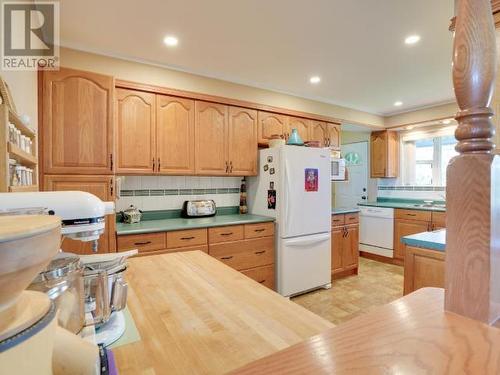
308, 240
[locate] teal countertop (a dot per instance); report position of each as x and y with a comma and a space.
407, 204
344, 210
430, 240
170, 224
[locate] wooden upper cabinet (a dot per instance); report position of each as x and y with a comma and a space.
319, 133
302, 125
102, 187
333, 135
211, 127
135, 131
270, 124
176, 134
77, 122
384, 154
242, 141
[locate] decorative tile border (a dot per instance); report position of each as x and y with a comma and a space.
164, 192
413, 188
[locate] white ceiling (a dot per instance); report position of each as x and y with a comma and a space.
356, 46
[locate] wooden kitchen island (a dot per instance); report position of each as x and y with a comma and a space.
196, 315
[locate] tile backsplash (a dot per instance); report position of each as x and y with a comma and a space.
150, 193
436, 193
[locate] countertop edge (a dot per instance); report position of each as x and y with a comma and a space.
160, 228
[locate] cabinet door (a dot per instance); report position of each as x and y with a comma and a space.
211, 138
337, 242
135, 131
378, 154
270, 124
319, 133
77, 122
350, 247
242, 141
403, 228
333, 135
175, 135
100, 186
302, 125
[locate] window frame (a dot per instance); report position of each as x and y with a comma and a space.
438, 175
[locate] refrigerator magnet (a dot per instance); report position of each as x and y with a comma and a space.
271, 185
271, 171
271, 199
269, 159
266, 167
311, 179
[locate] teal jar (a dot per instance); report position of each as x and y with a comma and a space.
295, 139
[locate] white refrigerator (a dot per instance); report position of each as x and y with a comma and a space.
293, 186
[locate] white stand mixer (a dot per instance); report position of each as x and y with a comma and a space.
27, 244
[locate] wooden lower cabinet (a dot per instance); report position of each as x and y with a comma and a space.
101, 186
423, 268
247, 248
402, 228
408, 222
345, 244
263, 275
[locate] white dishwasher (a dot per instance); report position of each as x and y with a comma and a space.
376, 230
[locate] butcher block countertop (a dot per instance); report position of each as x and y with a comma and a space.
412, 335
195, 315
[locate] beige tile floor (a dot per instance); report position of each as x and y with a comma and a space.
376, 284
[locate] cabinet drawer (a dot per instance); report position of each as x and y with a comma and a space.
143, 242
351, 218
259, 230
225, 234
203, 248
183, 238
338, 220
263, 275
438, 220
413, 215
242, 255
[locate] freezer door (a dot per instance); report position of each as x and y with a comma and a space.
305, 206
303, 263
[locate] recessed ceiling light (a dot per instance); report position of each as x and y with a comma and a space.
315, 79
398, 103
447, 121
170, 41
412, 39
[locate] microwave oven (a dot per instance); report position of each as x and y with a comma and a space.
338, 171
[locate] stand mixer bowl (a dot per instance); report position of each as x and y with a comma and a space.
27, 244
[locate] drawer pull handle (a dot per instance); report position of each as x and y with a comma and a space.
227, 258
260, 230
411, 214
262, 281
226, 234
187, 238
260, 252
142, 243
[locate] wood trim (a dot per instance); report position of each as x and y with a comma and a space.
380, 258
119, 83
495, 9
344, 273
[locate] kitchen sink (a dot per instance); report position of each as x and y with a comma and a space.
430, 205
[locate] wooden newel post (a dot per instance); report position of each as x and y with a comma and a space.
473, 177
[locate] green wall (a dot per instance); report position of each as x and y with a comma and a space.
353, 137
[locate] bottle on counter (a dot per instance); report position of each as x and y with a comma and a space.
243, 197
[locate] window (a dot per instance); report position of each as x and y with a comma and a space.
426, 156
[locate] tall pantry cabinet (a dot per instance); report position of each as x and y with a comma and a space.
77, 140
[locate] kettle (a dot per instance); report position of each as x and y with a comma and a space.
295, 139
131, 215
